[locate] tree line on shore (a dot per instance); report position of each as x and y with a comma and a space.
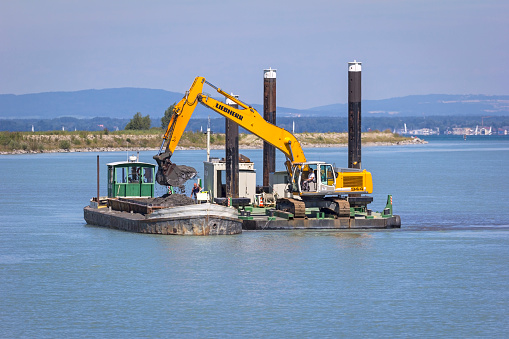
297, 124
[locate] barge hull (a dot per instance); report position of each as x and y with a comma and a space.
203, 219
338, 224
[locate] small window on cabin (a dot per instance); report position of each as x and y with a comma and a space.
147, 176
134, 175
121, 175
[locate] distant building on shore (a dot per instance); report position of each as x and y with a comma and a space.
478, 130
421, 131
503, 130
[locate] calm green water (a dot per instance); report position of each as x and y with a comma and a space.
444, 274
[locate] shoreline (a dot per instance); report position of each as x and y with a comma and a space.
413, 141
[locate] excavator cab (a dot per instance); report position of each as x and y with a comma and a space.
313, 177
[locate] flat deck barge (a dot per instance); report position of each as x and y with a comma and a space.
270, 219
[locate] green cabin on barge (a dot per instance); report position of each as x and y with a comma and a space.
131, 179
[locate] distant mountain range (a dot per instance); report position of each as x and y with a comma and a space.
123, 103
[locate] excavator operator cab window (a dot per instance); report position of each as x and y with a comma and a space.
326, 175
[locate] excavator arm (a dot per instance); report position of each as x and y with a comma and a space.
182, 112
245, 116
168, 173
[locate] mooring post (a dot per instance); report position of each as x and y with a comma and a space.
232, 153
354, 114
269, 114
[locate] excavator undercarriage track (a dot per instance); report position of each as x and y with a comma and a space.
296, 207
339, 207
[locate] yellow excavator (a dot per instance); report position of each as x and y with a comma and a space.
311, 183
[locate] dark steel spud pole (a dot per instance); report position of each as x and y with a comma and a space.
354, 114
269, 114
232, 154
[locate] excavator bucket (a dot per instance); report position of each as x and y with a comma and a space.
170, 174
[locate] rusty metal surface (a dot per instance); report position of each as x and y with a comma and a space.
130, 206
339, 224
148, 205
206, 219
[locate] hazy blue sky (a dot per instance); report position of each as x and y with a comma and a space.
406, 47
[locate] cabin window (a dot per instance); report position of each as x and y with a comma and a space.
147, 176
121, 175
134, 175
